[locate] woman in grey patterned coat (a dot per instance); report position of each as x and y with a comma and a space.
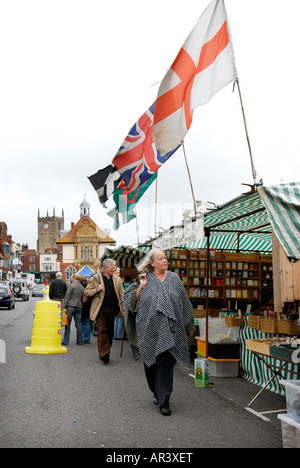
159, 319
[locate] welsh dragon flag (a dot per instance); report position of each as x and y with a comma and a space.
126, 200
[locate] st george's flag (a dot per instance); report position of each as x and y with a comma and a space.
204, 64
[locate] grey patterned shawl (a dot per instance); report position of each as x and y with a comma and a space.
158, 321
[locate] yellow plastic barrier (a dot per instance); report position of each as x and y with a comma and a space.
46, 333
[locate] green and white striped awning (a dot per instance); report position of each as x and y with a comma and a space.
242, 224
282, 203
126, 255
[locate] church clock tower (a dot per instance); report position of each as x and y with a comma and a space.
49, 231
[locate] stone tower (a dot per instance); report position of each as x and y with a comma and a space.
49, 231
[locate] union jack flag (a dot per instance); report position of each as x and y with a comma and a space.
138, 159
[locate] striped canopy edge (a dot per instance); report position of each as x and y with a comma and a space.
282, 203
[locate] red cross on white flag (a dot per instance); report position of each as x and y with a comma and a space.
203, 66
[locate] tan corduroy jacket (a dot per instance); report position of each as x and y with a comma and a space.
91, 291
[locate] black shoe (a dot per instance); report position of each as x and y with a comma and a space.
105, 358
165, 410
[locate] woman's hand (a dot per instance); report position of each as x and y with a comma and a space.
143, 281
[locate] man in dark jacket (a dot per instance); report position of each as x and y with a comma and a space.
58, 288
73, 302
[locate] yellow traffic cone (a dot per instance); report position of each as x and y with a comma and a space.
46, 333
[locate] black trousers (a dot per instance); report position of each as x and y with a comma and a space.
160, 377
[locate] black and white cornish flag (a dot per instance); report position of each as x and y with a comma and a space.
105, 182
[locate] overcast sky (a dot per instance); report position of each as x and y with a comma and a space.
77, 74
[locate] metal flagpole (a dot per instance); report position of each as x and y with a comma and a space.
137, 227
194, 201
247, 136
155, 212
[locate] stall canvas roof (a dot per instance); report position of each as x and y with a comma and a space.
243, 224
126, 255
86, 271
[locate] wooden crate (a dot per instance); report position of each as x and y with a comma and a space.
288, 327
234, 321
254, 321
269, 325
262, 346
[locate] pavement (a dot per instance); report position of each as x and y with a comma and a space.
73, 400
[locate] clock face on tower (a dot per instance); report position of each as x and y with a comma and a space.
46, 226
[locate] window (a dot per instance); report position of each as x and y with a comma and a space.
69, 272
86, 252
31, 267
32, 258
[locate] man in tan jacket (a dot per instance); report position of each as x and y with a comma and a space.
107, 291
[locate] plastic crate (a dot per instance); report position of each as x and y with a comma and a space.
223, 367
201, 346
219, 350
292, 393
224, 350
290, 430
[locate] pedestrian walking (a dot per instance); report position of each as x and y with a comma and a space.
47, 288
106, 289
119, 321
159, 319
58, 289
85, 314
73, 303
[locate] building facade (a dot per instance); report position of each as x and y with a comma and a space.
82, 245
5, 259
31, 262
49, 264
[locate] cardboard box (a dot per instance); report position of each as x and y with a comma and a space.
262, 346
201, 372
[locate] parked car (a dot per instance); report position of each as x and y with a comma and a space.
20, 289
7, 298
38, 290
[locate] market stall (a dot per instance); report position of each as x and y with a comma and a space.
86, 271
233, 268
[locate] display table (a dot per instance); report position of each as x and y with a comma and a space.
258, 366
278, 366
